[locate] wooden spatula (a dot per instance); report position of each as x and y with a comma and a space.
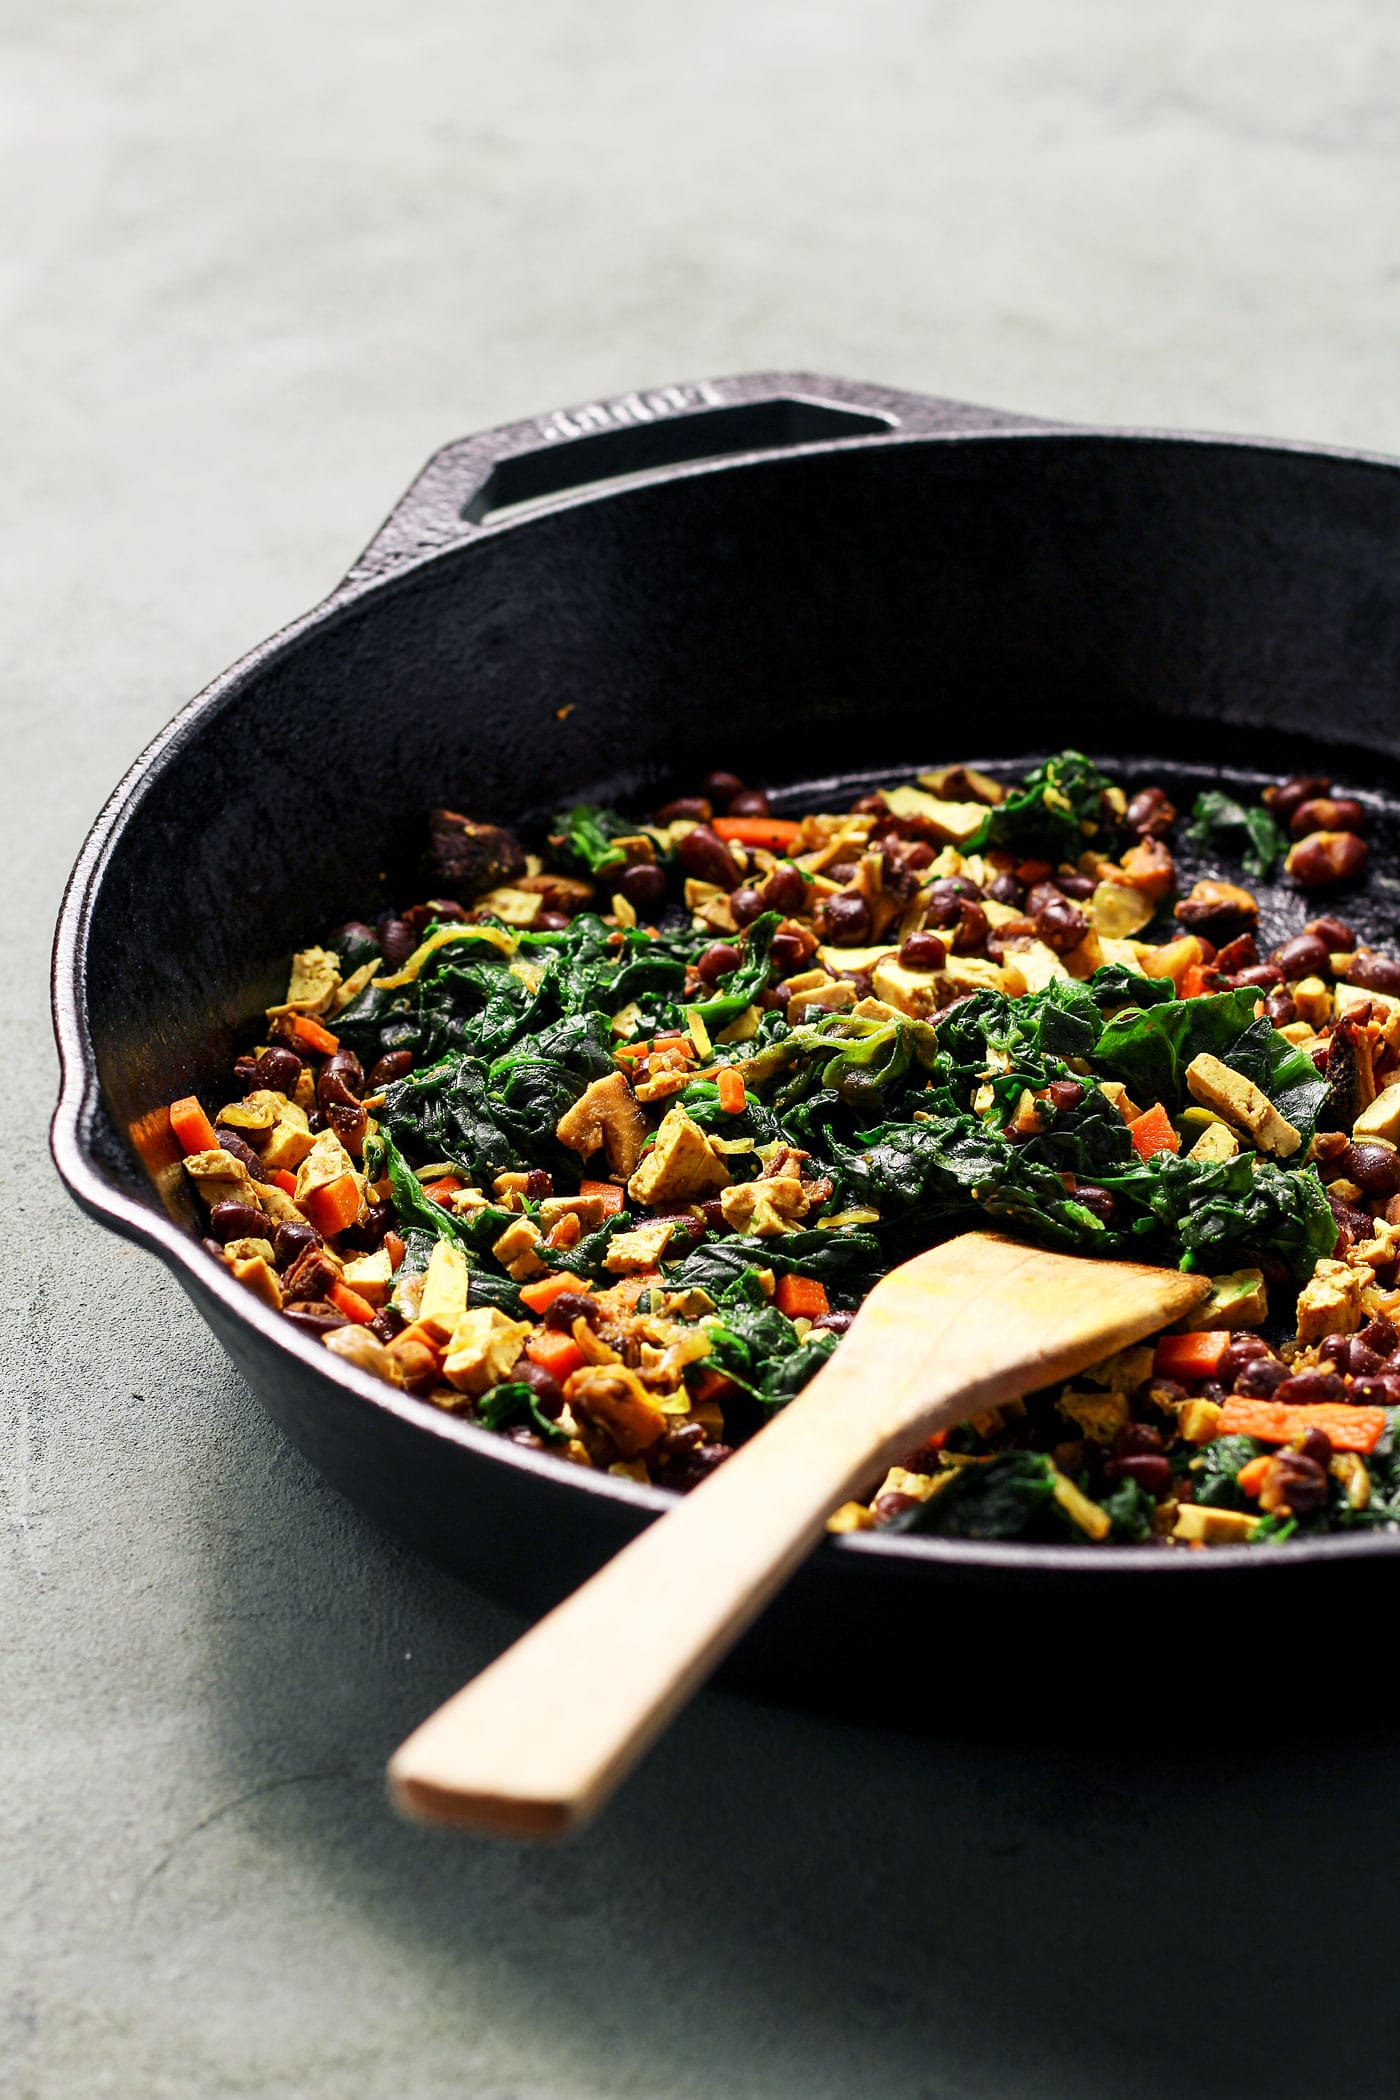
537, 1742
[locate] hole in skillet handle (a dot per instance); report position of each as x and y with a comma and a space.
610, 456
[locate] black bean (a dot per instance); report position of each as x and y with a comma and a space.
1334, 933
943, 906
1310, 1389
1325, 857
1065, 1094
1373, 1167
1316, 1444
848, 919
892, 1504
919, 855
1258, 977
366, 1237
721, 788
349, 1121
1241, 954
1304, 956
1135, 1437
1290, 794
973, 927
238, 1221
387, 1322
237, 1147
1379, 1334
922, 951
1061, 926
291, 1240
568, 1306
1280, 1010
397, 942
784, 891
746, 904
385, 1070
717, 961
1382, 1389
1242, 1349
834, 1322
1102, 1203
1150, 814
643, 884
341, 1079
538, 1185
1261, 1377
1152, 1473
314, 1316
750, 802
1293, 1482
704, 855
549, 1394
1076, 886
786, 951
1007, 890
689, 809
1375, 973
1327, 813
277, 1070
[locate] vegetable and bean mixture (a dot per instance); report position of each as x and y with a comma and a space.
602, 1144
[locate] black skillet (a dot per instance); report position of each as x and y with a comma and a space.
816, 584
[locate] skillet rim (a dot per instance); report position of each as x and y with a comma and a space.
388, 566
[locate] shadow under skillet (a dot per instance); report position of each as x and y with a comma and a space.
779, 1903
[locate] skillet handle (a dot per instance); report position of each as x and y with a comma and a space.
650, 435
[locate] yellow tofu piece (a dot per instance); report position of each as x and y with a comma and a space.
587, 1209
515, 1250
1242, 1103
630, 1253
290, 1138
445, 1285
1238, 1299
841, 960
315, 976
1098, 1416
957, 822
1216, 1141
681, 1167
1330, 1301
356, 1345
765, 1207
1199, 1421
324, 1163
485, 1344
249, 1250
219, 1177
614, 1397
1313, 1000
1093, 1521
1118, 1094
372, 1275
1125, 1370
260, 1278
851, 1516
1382, 1118
1196, 1524
1037, 963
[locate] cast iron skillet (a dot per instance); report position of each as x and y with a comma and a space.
809, 581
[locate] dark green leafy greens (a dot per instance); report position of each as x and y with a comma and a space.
1220, 823
1058, 808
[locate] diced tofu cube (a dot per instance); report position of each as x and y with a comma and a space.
484, 1346
324, 1163
631, 1253
765, 1207
290, 1138
1236, 1300
681, 1167
219, 1177
515, 1250
444, 1294
1198, 1524
613, 1397
1330, 1301
1119, 912
1098, 1416
958, 822
258, 1276
1199, 1421
1313, 1000
1216, 1141
372, 1275
1382, 1118
1242, 1103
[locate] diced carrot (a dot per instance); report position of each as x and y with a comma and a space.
417, 1333
1196, 984
801, 1297
1191, 1355
1250, 1478
334, 1206
732, 1097
557, 1353
282, 1179
539, 1296
440, 1190
1032, 871
609, 1191
313, 1034
1273, 1422
776, 833
395, 1249
1153, 1133
192, 1127
352, 1304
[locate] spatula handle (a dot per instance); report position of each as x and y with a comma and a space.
537, 1742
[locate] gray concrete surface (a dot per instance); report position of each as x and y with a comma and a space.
256, 263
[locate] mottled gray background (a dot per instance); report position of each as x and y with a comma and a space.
257, 261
